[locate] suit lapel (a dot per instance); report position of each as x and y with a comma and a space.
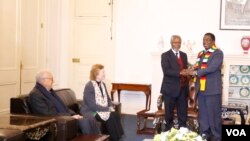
174, 59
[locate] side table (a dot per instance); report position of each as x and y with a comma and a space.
146, 88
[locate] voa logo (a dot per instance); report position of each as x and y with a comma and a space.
236, 132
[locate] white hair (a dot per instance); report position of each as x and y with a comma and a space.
40, 75
173, 37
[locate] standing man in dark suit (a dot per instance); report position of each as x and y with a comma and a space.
175, 83
208, 87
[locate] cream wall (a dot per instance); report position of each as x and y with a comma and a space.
141, 23
138, 26
57, 43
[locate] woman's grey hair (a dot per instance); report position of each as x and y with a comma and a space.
173, 37
40, 75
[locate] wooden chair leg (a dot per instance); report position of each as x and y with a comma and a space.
145, 123
138, 123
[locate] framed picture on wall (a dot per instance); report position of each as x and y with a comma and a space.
235, 15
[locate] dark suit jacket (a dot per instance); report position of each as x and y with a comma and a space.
212, 73
171, 73
40, 105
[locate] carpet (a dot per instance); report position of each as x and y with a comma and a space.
129, 126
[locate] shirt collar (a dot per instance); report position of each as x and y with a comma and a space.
176, 52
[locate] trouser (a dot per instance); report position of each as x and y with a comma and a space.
89, 125
210, 115
112, 126
181, 106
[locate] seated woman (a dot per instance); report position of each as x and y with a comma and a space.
97, 104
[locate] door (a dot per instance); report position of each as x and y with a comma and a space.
21, 47
31, 42
9, 52
91, 41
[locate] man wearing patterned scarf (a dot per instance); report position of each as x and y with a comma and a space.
208, 86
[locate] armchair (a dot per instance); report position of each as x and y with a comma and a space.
192, 110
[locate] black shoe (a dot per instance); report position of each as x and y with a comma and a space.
205, 137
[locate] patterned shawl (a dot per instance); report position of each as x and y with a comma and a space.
101, 99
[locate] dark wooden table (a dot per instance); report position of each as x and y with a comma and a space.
146, 88
91, 138
33, 127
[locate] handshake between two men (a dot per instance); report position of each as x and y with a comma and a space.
188, 72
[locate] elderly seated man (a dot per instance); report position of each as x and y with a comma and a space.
44, 101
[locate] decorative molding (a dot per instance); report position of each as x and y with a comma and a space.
5, 111
8, 83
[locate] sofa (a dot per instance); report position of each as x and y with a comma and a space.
67, 127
